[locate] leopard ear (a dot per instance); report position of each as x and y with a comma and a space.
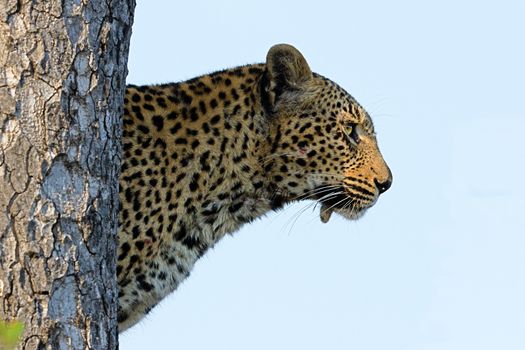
287, 66
286, 69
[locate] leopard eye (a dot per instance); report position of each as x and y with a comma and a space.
351, 132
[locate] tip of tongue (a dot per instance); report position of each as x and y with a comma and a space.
325, 213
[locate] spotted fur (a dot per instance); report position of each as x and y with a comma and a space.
203, 157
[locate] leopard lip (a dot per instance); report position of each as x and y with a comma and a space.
325, 213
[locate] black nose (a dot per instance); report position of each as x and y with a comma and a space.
384, 186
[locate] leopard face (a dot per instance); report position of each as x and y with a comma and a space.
323, 144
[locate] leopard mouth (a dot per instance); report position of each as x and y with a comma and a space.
335, 199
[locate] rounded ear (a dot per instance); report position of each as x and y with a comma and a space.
286, 69
287, 66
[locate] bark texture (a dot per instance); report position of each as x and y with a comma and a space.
62, 80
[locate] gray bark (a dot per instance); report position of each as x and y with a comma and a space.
62, 80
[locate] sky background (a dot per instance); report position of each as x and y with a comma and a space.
439, 262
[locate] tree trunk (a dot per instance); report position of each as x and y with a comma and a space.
62, 80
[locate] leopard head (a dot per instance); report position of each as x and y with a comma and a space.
322, 141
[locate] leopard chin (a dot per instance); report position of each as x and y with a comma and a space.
336, 200
351, 213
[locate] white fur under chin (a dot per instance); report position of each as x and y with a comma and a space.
351, 214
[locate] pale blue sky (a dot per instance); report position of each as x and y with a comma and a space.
439, 262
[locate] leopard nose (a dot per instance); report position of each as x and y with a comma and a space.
384, 186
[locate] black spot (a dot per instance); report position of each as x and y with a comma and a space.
193, 114
237, 186
158, 121
235, 207
186, 160
175, 128
128, 195
139, 245
254, 70
276, 140
311, 153
174, 99
301, 162
145, 286
133, 259
191, 132
223, 144
149, 233
127, 146
160, 143
194, 184
144, 129
195, 144
215, 119
135, 231
122, 316
304, 127
180, 234
202, 107
125, 247
161, 102
180, 177
204, 161
187, 99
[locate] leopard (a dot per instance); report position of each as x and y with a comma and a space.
203, 157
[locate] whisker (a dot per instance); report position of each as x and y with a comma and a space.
348, 204
309, 194
296, 216
326, 196
312, 192
316, 201
348, 200
334, 205
329, 195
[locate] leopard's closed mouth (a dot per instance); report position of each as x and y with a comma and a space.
331, 198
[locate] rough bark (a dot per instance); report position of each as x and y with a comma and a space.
62, 79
